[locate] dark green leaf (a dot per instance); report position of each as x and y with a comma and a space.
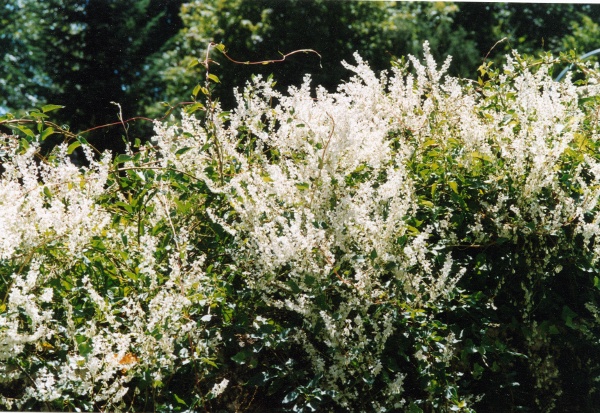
293, 286
122, 158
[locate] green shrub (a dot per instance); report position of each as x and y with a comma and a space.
413, 242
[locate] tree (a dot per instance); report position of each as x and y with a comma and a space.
528, 28
83, 54
262, 30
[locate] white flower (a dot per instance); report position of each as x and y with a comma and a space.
47, 295
219, 388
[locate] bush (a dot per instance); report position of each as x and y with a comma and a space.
412, 242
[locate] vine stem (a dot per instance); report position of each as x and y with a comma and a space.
261, 62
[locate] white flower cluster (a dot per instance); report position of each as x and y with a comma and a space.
82, 344
39, 201
323, 195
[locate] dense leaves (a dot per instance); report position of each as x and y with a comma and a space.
87, 54
259, 30
294, 240
84, 54
411, 242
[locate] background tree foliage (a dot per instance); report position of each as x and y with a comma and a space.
260, 30
85, 54
529, 28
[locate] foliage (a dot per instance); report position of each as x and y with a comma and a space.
256, 30
583, 36
87, 54
411, 242
84, 54
528, 27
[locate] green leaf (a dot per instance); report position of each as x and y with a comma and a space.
373, 254
23, 144
241, 357
50, 108
125, 206
179, 399
321, 302
47, 132
7, 116
26, 131
290, 397
413, 408
214, 78
194, 62
429, 142
72, 147
293, 286
454, 186
426, 203
122, 158
568, 315
209, 362
412, 230
181, 151
196, 90
302, 186
192, 108
37, 115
